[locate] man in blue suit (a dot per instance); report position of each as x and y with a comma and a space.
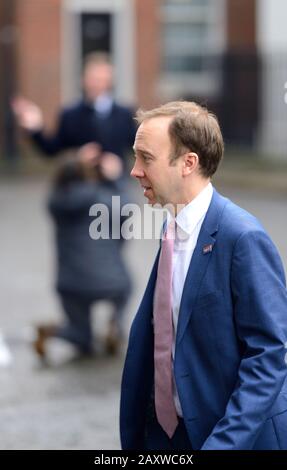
228, 305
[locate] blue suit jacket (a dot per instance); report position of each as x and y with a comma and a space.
230, 359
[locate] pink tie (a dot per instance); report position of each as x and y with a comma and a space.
163, 336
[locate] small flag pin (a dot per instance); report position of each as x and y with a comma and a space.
207, 249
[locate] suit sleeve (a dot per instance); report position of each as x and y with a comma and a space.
260, 315
50, 145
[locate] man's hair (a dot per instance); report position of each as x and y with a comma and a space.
69, 171
192, 129
97, 58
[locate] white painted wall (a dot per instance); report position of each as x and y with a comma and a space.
272, 44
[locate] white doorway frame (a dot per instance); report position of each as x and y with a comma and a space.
122, 47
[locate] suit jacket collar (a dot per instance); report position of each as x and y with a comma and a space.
213, 215
89, 106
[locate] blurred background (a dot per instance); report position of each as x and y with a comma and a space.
228, 54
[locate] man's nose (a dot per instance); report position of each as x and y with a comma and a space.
136, 171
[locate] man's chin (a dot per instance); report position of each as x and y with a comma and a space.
151, 200
150, 197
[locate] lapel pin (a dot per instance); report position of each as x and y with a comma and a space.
207, 249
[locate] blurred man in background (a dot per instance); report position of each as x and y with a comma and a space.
94, 124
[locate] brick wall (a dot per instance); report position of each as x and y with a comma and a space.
147, 50
38, 48
39, 54
241, 24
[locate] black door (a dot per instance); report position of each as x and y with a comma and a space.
96, 32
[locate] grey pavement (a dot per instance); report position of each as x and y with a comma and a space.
70, 403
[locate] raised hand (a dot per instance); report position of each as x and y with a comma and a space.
28, 114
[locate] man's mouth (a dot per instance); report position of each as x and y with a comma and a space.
146, 188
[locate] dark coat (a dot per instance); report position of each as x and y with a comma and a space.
85, 266
81, 124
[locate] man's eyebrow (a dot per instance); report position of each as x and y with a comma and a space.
142, 151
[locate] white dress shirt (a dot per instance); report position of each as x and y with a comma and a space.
188, 224
103, 104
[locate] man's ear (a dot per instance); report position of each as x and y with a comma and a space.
190, 163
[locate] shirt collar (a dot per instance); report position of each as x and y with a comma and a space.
188, 218
103, 104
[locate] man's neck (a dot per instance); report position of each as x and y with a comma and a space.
190, 194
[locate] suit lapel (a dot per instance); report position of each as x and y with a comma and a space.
199, 263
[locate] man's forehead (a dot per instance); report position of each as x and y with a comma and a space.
153, 131
157, 123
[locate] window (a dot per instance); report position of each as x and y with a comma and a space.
192, 43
